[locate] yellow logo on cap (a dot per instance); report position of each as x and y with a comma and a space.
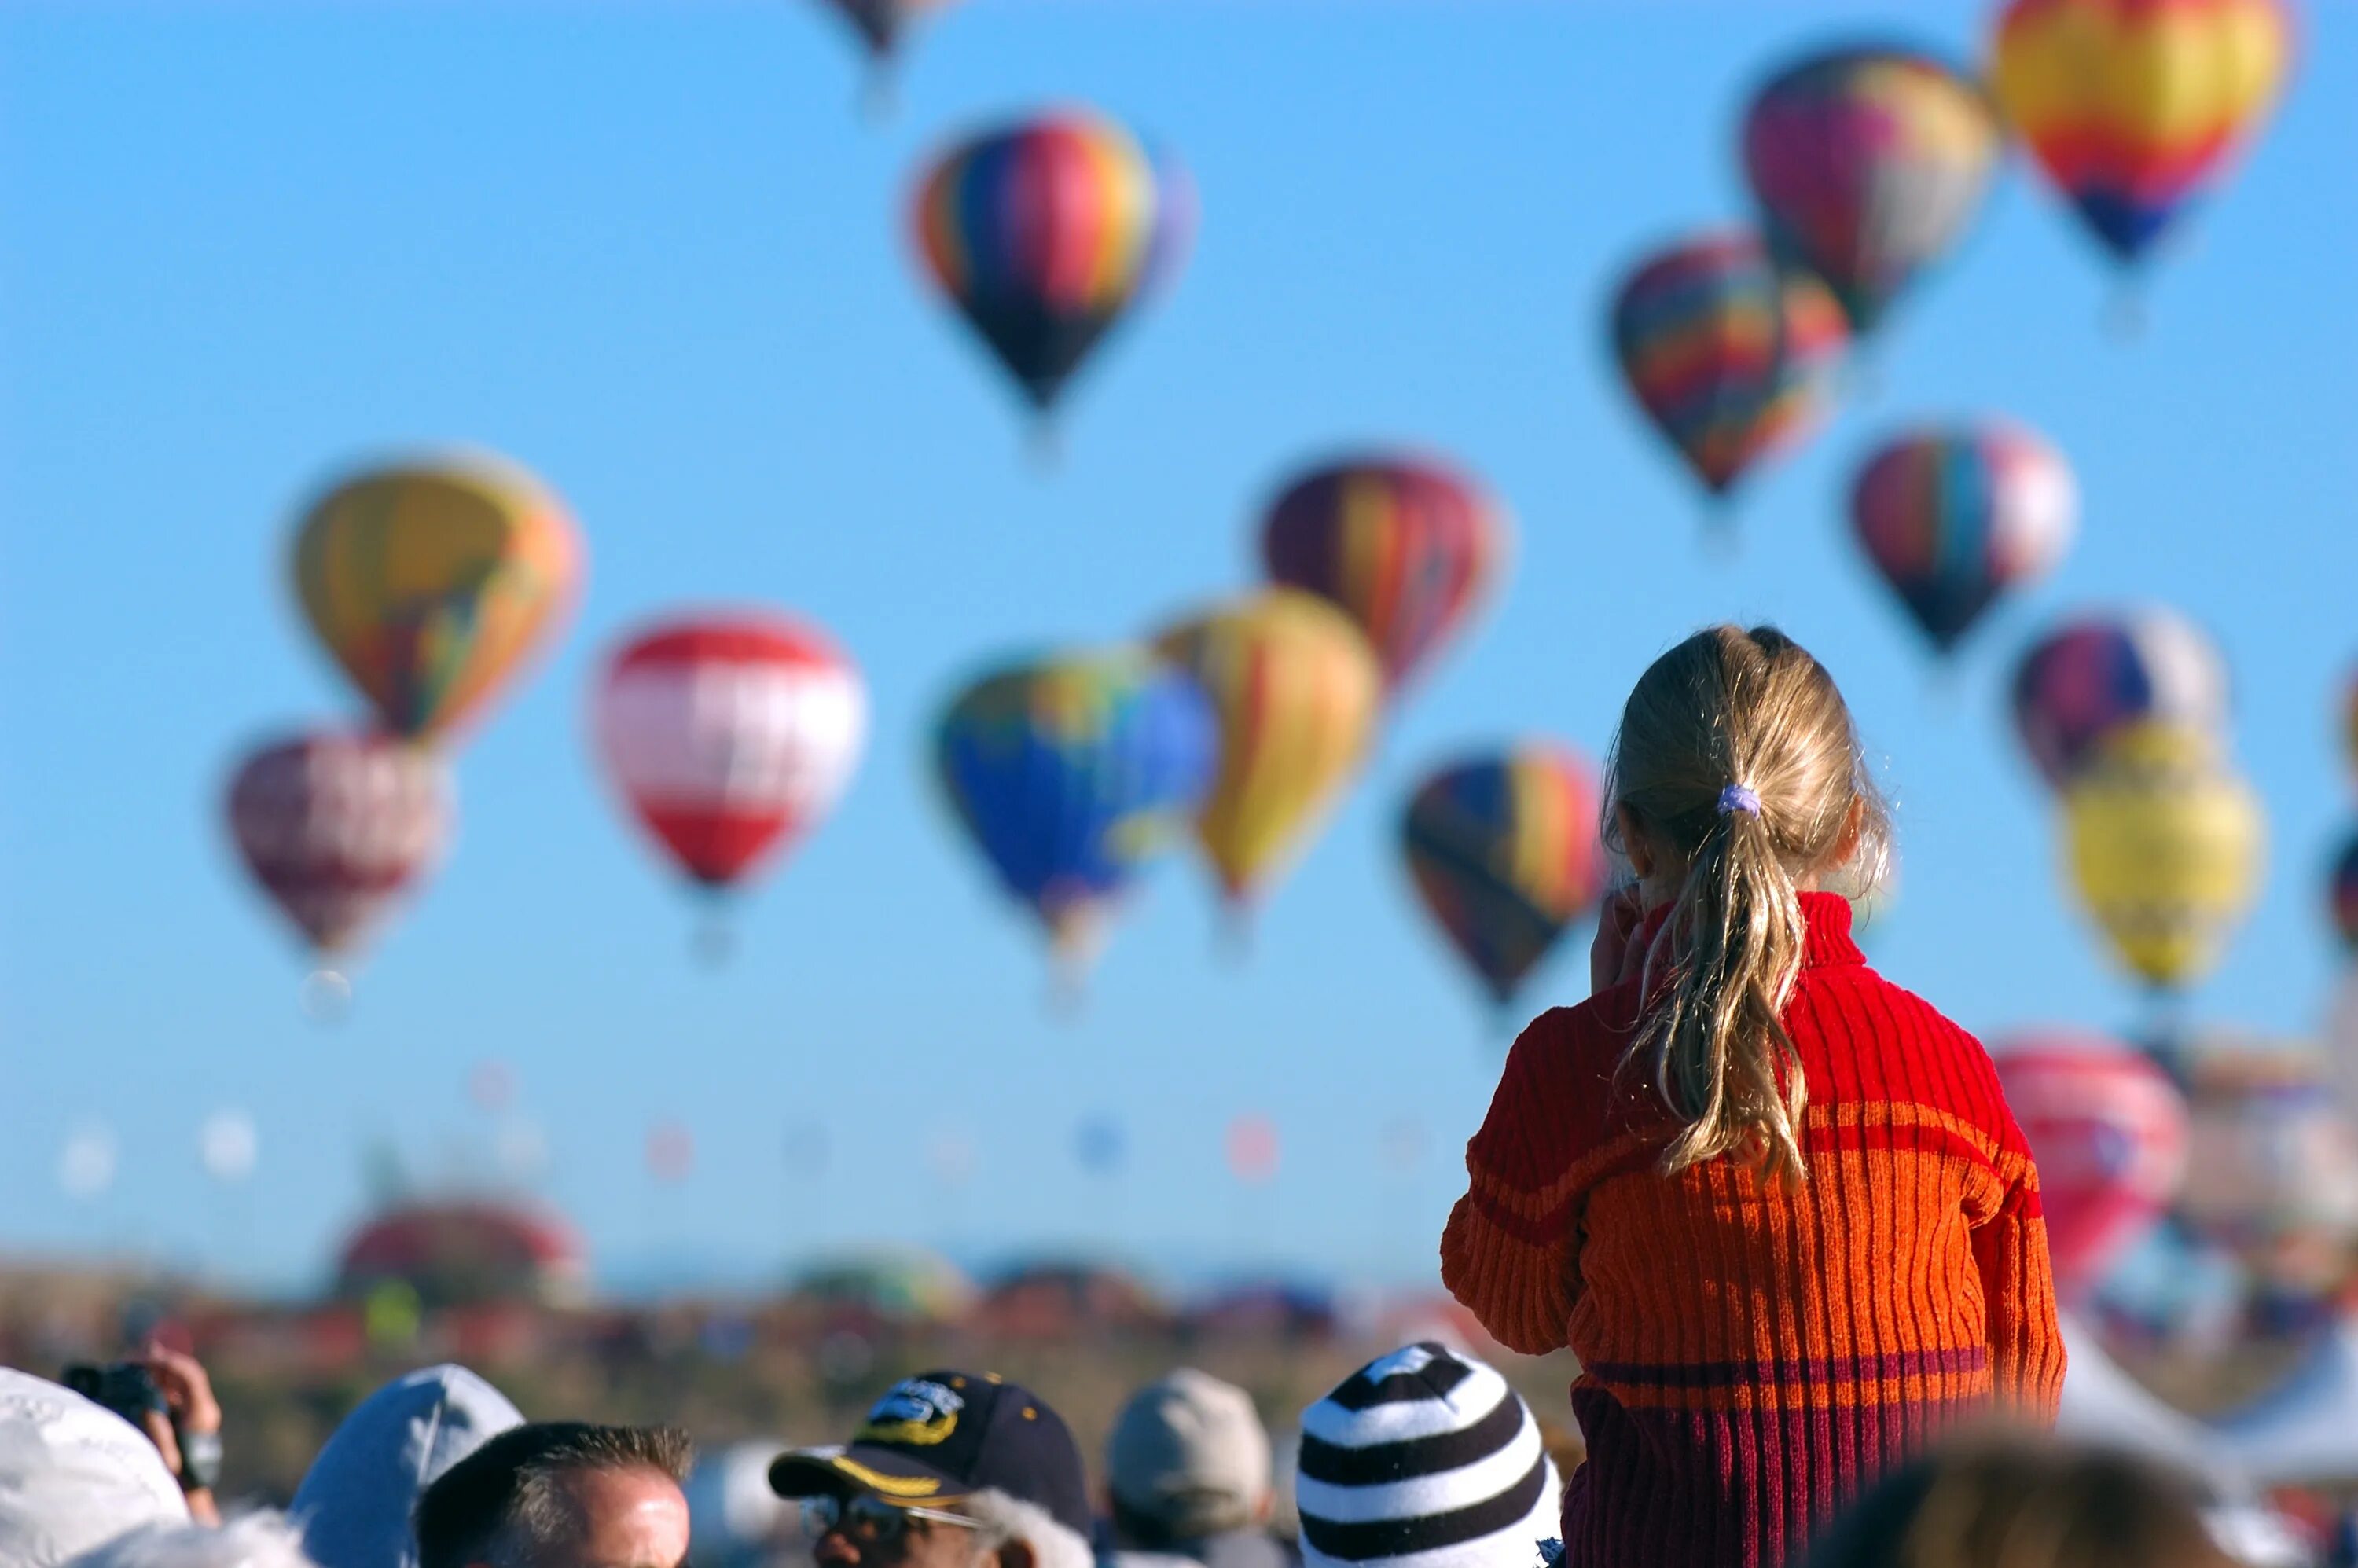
917, 1412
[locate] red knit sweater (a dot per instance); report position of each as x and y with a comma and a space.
1751, 1356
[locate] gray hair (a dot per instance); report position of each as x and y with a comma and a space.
264, 1540
506, 1498
1006, 1518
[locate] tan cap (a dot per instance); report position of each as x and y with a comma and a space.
1189, 1452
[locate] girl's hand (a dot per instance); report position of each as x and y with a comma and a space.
1610, 959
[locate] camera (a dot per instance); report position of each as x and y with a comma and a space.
127, 1387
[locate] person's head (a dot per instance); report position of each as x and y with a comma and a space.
1423, 1456
253, 1541
355, 1501
950, 1470
560, 1495
1736, 782
1188, 1458
2017, 1500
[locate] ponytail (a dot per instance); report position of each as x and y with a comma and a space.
1736, 752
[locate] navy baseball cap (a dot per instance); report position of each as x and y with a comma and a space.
940, 1436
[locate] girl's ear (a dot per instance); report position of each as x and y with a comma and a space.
1853, 825
1635, 848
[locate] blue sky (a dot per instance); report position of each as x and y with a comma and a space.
652, 250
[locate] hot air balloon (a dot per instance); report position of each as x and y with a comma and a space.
1071, 775
1955, 516
1295, 688
2091, 675
1044, 232
2343, 893
881, 24
429, 582
1503, 850
336, 828
729, 735
2272, 1174
2133, 108
1405, 547
1729, 357
2165, 848
2108, 1130
1869, 165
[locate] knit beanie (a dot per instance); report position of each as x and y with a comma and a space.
1424, 1458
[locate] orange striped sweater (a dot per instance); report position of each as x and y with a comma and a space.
1750, 1357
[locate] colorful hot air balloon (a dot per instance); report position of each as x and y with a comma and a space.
1405, 547
2089, 676
336, 828
430, 582
1952, 517
2134, 107
881, 24
2272, 1173
1295, 688
1044, 232
1071, 775
2108, 1130
1731, 359
2343, 893
729, 735
1868, 164
1504, 852
2165, 848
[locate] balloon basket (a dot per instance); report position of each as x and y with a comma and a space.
1233, 939
880, 96
1723, 544
714, 942
1043, 447
1067, 999
2125, 317
326, 997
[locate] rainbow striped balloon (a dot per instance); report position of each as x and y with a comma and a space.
1730, 359
2102, 672
2134, 107
1405, 547
1044, 232
1868, 165
1954, 517
1503, 850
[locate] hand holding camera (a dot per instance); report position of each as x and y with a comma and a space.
167, 1396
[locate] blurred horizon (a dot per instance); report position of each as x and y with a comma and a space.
654, 252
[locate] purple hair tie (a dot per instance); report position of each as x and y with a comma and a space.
1739, 798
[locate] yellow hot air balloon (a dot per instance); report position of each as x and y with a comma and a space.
428, 582
2164, 844
1295, 687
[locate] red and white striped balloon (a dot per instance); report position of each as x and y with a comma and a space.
729, 735
336, 826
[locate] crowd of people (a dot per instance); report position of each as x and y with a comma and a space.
1775, 1205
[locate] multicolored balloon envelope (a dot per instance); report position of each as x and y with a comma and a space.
2108, 1130
730, 736
2272, 1174
1044, 232
1953, 517
1405, 547
2342, 894
881, 24
1295, 688
1072, 773
1504, 852
2165, 849
336, 828
1731, 358
430, 582
2096, 674
1868, 165
2135, 107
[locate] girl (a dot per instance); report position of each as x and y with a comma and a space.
1773, 1202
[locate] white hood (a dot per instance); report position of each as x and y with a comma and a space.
354, 1505
73, 1475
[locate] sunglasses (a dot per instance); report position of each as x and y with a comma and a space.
872, 1518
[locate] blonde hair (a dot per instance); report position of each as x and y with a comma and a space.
1736, 753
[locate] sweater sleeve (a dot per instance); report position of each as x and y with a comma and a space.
1510, 1252
2018, 1288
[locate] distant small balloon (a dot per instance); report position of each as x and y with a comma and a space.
86, 1164
1100, 1144
671, 1151
228, 1145
1252, 1149
491, 1085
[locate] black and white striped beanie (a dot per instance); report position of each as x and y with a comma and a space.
1424, 1458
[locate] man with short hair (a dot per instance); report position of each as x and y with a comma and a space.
561, 1495
950, 1470
1187, 1477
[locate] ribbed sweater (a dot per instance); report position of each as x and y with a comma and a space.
1751, 1354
